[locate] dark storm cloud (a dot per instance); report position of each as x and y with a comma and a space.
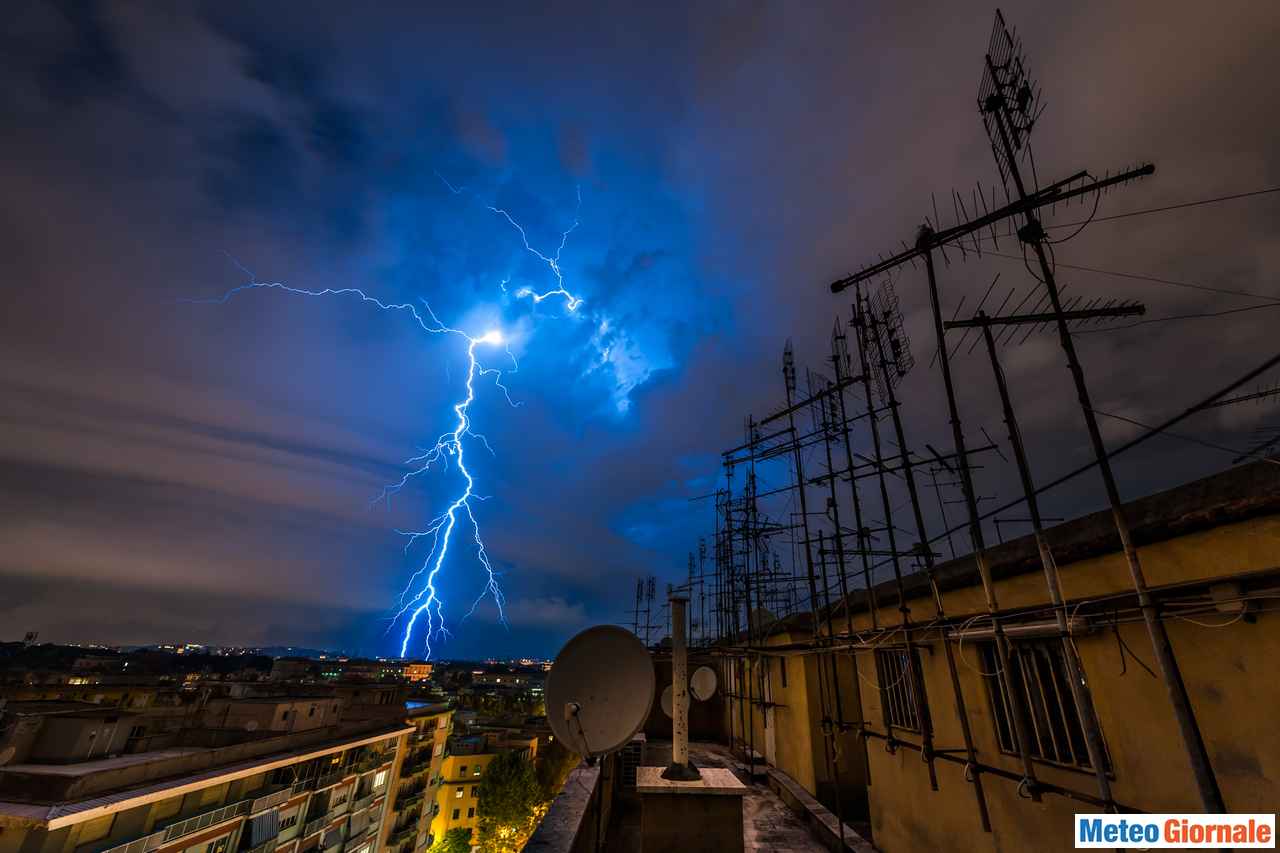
203, 472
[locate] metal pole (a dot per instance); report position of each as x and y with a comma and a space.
917, 679
1079, 688
1019, 715
839, 356
1193, 741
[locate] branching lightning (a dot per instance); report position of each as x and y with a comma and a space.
420, 599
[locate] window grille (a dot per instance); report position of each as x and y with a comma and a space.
902, 708
1040, 673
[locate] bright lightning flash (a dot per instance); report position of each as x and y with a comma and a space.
426, 602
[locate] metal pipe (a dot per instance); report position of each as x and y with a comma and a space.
1080, 693
681, 768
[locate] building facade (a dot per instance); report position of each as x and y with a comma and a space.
311, 794
1211, 554
414, 804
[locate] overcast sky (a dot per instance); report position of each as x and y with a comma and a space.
177, 471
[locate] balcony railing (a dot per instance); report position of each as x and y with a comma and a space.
276, 798
362, 803
403, 804
206, 820
195, 823
313, 826
145, 844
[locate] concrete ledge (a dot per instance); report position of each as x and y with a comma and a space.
824, 825
560, 827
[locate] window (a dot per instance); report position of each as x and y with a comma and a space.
284, 715
475, 791
288, 822
477, 771
455, 814
312, 712
897, 688
379, 778
782, 670
457, 795
462, 771
1040, 674
471, 812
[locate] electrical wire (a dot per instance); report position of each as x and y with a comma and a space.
1142, 212
1189, 438
1168, 207
1149, 278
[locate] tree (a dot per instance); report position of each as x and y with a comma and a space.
510, 804
555, 762
454, 841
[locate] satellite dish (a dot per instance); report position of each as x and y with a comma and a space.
251, 726
600, 690
703, 683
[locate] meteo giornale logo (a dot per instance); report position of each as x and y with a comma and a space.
1175, 831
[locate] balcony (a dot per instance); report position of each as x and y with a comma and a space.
206, 820
267, 846
372, 762
400, 836
313, 826
362, 803
330, 779
277, 797
145, 844
404, 803
416, 764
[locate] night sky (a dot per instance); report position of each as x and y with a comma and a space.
176, 471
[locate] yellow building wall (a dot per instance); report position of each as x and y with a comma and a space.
446, 797
1228, 670
796, 744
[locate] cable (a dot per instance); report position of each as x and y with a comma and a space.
1142, 212
1145, 211
1189, 438
1150, 278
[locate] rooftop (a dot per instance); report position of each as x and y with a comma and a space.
769, 825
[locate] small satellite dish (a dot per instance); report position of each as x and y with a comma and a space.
251, 726
667, 704
600, 690
703, 683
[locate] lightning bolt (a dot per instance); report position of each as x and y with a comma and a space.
426, 604
571, 302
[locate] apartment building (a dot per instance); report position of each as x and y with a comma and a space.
230, 775
414, 805
466, 757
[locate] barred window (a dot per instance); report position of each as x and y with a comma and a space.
902, 708
1040, 673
